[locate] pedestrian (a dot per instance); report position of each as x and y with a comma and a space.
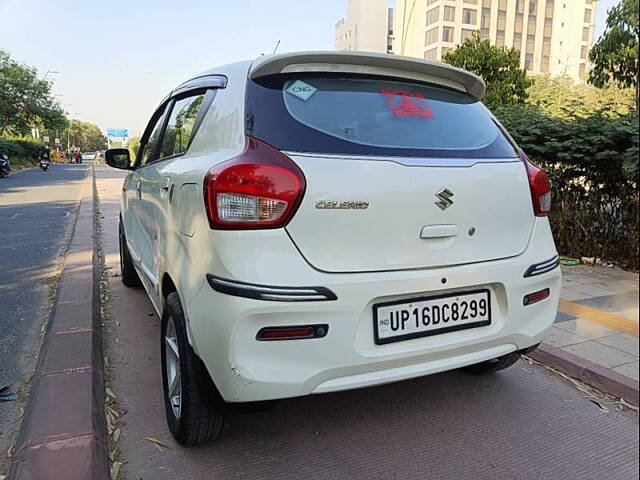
76, 155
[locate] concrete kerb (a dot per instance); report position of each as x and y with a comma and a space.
64, 434
587, 372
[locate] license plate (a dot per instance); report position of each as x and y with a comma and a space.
424, 316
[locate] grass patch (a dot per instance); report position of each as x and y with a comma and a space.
22, 163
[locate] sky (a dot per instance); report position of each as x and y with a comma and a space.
117, 59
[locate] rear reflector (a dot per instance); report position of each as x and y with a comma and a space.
292, 333
536, 297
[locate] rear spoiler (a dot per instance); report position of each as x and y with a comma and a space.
373, 64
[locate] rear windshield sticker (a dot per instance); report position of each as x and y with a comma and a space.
302, 90
409, 104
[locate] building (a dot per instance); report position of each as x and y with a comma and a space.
368, 26
553, 36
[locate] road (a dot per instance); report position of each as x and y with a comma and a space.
37, 211
523, 423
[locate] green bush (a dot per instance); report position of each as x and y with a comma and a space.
20, 148
593, 167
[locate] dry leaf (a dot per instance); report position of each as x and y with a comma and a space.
112, 454
10, 452
110, 393
20, 415
115, 470
158, 444
116, 434
600, 406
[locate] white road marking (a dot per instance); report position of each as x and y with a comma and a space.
14, 216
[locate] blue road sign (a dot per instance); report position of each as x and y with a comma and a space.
117, 133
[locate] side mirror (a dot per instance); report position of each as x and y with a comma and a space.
118, 158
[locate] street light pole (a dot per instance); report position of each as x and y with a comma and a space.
69, 135
48, 72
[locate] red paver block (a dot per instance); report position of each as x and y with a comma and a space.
68, 351
67, 404
75, 457
71, 316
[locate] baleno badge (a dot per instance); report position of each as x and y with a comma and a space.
444, 198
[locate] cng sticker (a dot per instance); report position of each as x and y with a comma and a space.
301, 90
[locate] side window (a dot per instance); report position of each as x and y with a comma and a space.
180, 125
149, 148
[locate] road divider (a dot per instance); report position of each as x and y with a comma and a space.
64, 433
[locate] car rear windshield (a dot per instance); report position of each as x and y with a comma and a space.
364, 115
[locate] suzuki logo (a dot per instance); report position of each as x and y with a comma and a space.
444, 198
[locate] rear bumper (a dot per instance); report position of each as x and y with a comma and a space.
223, 327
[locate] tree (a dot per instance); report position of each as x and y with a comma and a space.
25, 99
499, 67
615, 54
560, 97
134, 146
85, 136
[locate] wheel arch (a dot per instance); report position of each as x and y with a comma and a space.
167, 287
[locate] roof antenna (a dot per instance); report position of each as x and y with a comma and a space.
275, 49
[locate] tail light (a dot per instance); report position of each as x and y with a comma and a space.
260, 188
540, 188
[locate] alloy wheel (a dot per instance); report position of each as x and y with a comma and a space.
172, 366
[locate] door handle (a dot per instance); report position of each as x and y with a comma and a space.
164, 189
439, 231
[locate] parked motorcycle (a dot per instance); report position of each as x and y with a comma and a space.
4, 165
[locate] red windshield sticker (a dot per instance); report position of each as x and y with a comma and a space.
411, 104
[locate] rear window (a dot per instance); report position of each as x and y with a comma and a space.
363, 115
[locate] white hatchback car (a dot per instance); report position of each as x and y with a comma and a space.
320, 221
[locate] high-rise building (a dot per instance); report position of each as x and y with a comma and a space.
368, 26
553, 36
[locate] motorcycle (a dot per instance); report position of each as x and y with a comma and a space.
44, 164
4, 165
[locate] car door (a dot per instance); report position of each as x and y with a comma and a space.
157, 177
137, 232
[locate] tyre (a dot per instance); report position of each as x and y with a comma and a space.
128, 272
188, 389
494, 365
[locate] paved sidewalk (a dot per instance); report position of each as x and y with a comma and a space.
598, 317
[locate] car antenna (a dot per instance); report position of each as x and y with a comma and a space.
275, 49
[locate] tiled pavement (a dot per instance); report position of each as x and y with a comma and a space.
598, 317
